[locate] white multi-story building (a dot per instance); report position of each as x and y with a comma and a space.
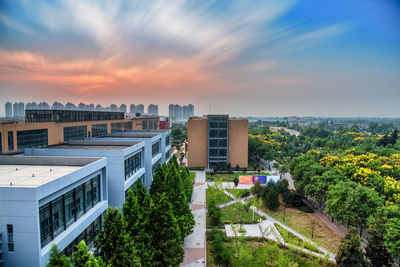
125, 162
46, 201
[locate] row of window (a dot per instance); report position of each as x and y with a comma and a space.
89, 235
71, 115
59, 214
217, 143
155, 149
133, 164
214, 124
217, 152
116, 127
99, 129
10, 237
167, 154
155, 165
74, 133
149, 125
167, 140
218, 133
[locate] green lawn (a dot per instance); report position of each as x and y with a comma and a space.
238, 192
268, 253
192, 175
238, 212
228, 177
295, 240
220, 197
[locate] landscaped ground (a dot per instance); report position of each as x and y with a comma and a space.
228, 177
220, 197
192, 175
238, 212
268, 253
239, 192
302, 222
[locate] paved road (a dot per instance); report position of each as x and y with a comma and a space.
195, 243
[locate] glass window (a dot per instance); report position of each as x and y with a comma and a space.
116, 127
213, 143
31, 139
80, 201
133, 164
144, 125
58, 216
89, 195
75, 133
45, 224
10, 237
167, 140
99, 129
70, 210
155, 125
10, 141
96, 190
155, 148
150, 124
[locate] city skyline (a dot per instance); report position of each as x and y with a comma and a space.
291, 58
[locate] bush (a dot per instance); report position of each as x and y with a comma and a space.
214, 214
196, 168
292, 198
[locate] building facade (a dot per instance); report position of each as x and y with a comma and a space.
216, 140
152, 109
43, 128
8, 109
46, 201
125, 162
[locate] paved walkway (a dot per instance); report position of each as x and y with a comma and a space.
195, 243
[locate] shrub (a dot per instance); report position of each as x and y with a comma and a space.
292, 198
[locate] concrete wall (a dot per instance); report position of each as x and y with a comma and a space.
20, 207
238, 143
197, 142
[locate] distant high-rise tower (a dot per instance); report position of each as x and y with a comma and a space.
140, 109
152, 109
19, 110
132, 108
8, 110
122, 108
57, 105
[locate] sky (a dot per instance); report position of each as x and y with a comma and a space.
244, 58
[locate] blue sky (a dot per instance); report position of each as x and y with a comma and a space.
264, 58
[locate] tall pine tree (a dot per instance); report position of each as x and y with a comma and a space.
137, 212
166, 234
157, 185
82, 257
114, 243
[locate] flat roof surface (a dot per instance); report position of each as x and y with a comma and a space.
89, 147
130, 135
32, 175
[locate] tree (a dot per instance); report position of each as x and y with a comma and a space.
236, 181
271, 196
113, 243
58, 259
166, 235
214, 213
376, 251
257, 190
350, 253
157, 185
292, 198
174, 190
352, 203
283, 169
137, 211
82, 257
222, 255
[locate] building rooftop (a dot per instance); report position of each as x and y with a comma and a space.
89, 146
36, 171
129, 135
32, 175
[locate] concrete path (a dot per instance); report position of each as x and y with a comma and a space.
195, 243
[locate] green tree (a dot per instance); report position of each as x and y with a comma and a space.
352, 203
58, 259
137, 211
173, 187
257, 190
222, 254
166, 239
157, 185
271, 197
350, 254
376, 251
113, 243
82, 257
214, 213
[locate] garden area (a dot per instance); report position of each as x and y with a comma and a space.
229, 177
304, 223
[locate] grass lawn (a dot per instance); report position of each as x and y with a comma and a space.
267, 253
238, 212
302, 222
228, 177
295, 240
220, 197
238, 192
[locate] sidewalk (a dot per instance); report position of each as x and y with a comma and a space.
195, 243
